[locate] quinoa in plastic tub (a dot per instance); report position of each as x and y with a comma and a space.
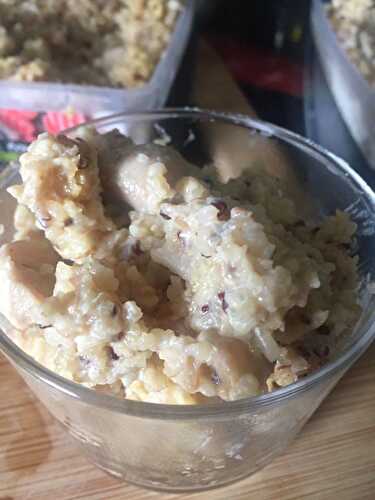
63, 62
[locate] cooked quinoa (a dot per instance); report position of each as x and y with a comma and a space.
202, 291
115, 43
354, 23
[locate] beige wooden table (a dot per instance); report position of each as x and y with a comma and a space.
332, 459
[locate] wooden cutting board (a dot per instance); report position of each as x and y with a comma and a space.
333, 458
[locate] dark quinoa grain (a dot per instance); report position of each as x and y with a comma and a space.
223, 210
224, 303
112, 353
120, 336
165, 216
84, 360
324, 330
68, 222
137, 249
322, 352
215, 377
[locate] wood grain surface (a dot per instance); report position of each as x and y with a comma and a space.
332, 459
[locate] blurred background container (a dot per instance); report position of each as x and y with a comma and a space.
354, 97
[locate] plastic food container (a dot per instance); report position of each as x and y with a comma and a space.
177, 448
28, 108
353, 95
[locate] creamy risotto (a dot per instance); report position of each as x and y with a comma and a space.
189, 291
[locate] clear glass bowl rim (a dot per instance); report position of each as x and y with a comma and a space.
222, 409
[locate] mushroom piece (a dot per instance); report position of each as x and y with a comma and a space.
143, 176
27, 277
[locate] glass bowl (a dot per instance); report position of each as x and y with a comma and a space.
182, 448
